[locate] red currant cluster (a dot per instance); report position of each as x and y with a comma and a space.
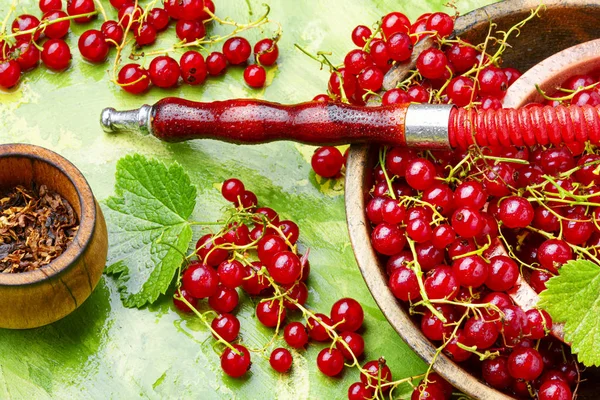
258, 252
20, 51
447, 70
145, 24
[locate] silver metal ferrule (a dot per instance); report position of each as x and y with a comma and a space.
426, 126
139, 120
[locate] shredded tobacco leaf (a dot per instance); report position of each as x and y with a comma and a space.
36, 226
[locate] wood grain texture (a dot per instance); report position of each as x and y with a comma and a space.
562, 25
45, 295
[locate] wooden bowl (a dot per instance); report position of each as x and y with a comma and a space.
563, 24
40, 297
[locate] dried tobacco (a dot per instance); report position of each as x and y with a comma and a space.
36, 226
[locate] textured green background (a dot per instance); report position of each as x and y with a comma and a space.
104, 350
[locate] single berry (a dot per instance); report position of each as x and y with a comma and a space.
113, 32
29, 55
525, 363
420, 173
327, 161
330, 361
295, 335
92, 46
266, 52
77, 7
255, 76
347, 314
441, 23
159, 19
388, 239
495, 372
200, 280
227, 326
471, 271
216, 63
190, 31
441, 283
193, 68
56, 55
49, 5
376, 373
360, 35
270, 312
235, 363
371, 79
354, 345
26, 22
237, 50
231, 274
208, 250
467, 222
360, 391
395, 22
56, 30
145, 34
503, 274
284, 267
133, 79
316, 330
432, 63
180, 304
224, 300
164, 71
400, 46
516, 212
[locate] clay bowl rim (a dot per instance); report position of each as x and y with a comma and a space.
369, 263
87, 219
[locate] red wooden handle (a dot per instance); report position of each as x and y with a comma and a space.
247, 121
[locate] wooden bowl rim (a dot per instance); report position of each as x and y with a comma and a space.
87, 221
581, 58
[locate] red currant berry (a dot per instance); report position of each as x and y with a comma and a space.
555, 390
498, 180
133, 79
185, 9
224, 300
393, 212
193, 68
298, 293
525, 363
441, 283
495, 372
316, 330
553, 254
516, 212
461, 91
253, 283
77, 7
432, 63
347, 314
164, 72
10, 73
56, 55
231, 273
395, 22
418, 94
420, 174
235, 363
400, 46
281, 360
419, 230
180, 304
159, 19
295, 335
113, 32
330, 362
380, 54
376, 373
539, 323
433, 327
130, 14
266, 52
371, 79
360, 35
269, 246
26, 22
388, 239
514, 324
190, 31
248, 200
356, 61
441, 23
284, 267
237, 50
56, 30
471, 271
481, 333
232, 188
216, 63
327, 161
587, 172
28, 55
395, 96
227, 326
49, 5
440, 196
145, 34
349, 82
360, 391
200, 280
457, 353
208, 250
255, 76
467, 222
270, 312
92, 46
290, 230
322, 98
503, 274
443, 235
398, 158
354, 342
461, 57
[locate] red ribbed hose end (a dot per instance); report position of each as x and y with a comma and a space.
527, 126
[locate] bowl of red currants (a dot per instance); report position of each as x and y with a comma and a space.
455, 246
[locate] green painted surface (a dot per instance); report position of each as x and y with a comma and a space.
104, 350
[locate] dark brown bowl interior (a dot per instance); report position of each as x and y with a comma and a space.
562, 25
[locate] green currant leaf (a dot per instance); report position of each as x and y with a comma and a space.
573, 297
148, 228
